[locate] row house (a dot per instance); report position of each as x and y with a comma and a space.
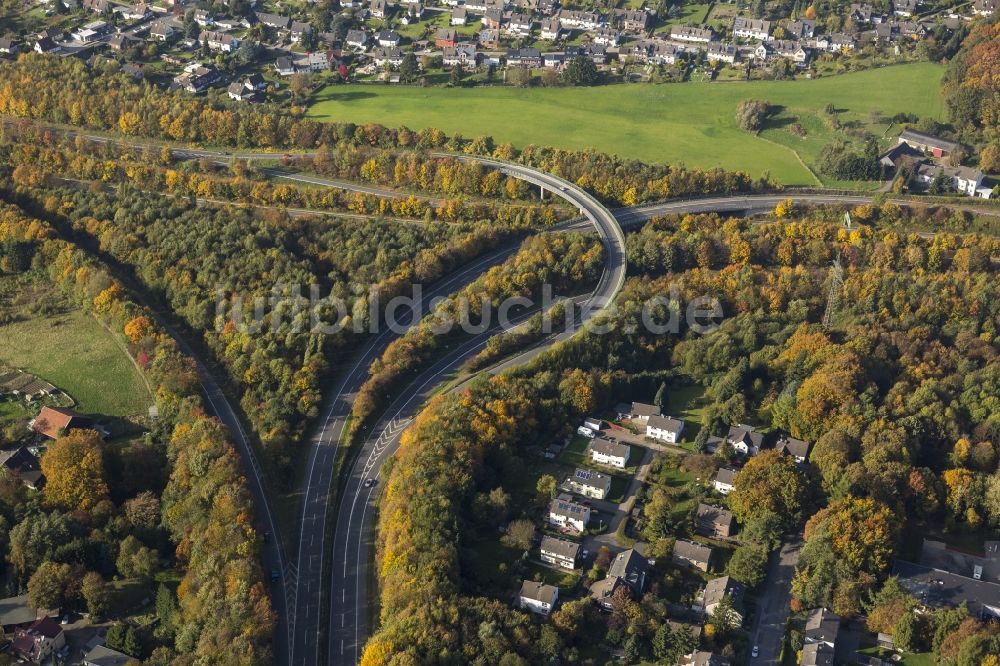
606, 37
719, 52
749, 28
219, 41
519, 24
551, 29
580, 20
632, 20
392, 56
687, 33
463, 55
656, 52
275, 21
527, 57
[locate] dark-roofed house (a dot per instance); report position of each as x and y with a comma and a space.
54, 421
641, 412
564, 513
23, 465
39, 641
664, 428
104, 656
588, 483
822, 626
713, 521
724, 480
8, 45
16, 612
538, 597
691, 554
745, 440
629, 569
687, 33
935, 145
606, 452
796, 448
560, 552
985, 7
816, 654
274, 20
751, 28
719, 588
904, 7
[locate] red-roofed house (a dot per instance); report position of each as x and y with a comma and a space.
41, 639
54, 421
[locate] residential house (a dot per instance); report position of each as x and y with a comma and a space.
985, 7
388, 38
493, 19
197, 78
285, 66
928, 143
724, 480
965, 180
299, 31
720, 588
703, 658
378, 9
606, 36
459, 16
97, 6
551, 29
538, 597
318, 61
947, 578
816, 654
518, 24
463, 55
203, 18
53, 422
629, 568
102, 655
596, 52
567, 514
632, 20
445, 37
39, 641
801, 29
864, 13
561, 552
275, 21
796, 448
822, 626
588, 483
751, 28
136, 12
240, 93
664, 428
691, 554
526, 57
641, 412
656, 52
745, 440
719, 52
489, 39
134, 70
8, 46
161, 31
606, 452
16, 612
580, 20
840, 42
713, 521
219, 41
904, 7
356, 39
414, 11
687, 33
392, 56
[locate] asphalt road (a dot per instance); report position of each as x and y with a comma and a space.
772, 606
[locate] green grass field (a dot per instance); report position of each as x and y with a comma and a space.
690, 123
75, 353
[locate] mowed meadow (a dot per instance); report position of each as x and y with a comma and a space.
689, 123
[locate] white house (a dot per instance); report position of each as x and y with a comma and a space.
564, 513
538, 597
724, 480
560, 552
751, 28
664, 428
796, 448
588, 483
641, 412
606, 452
745, 440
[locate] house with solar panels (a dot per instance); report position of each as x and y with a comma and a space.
568, 514
588, 483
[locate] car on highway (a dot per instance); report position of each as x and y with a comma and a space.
275, 575
755, 652
369, 483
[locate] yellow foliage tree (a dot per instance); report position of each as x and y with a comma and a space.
137, 328
74, 471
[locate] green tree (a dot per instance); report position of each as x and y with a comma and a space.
136, 560
96, 593
48, 587
409, 69
751, 114
748, 564
581, 71
771, 482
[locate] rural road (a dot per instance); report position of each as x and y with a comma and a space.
772, 605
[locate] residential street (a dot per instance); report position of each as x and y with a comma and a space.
772, 607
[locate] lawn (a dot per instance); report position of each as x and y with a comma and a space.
75, 353
690, 123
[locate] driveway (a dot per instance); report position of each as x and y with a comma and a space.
772, 603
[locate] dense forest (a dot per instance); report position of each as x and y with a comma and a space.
898, 391
972, 92
54, 89
211, 263
110, 511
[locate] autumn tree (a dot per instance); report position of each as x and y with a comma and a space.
96, 593
73, 467
771, 482
49, 586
